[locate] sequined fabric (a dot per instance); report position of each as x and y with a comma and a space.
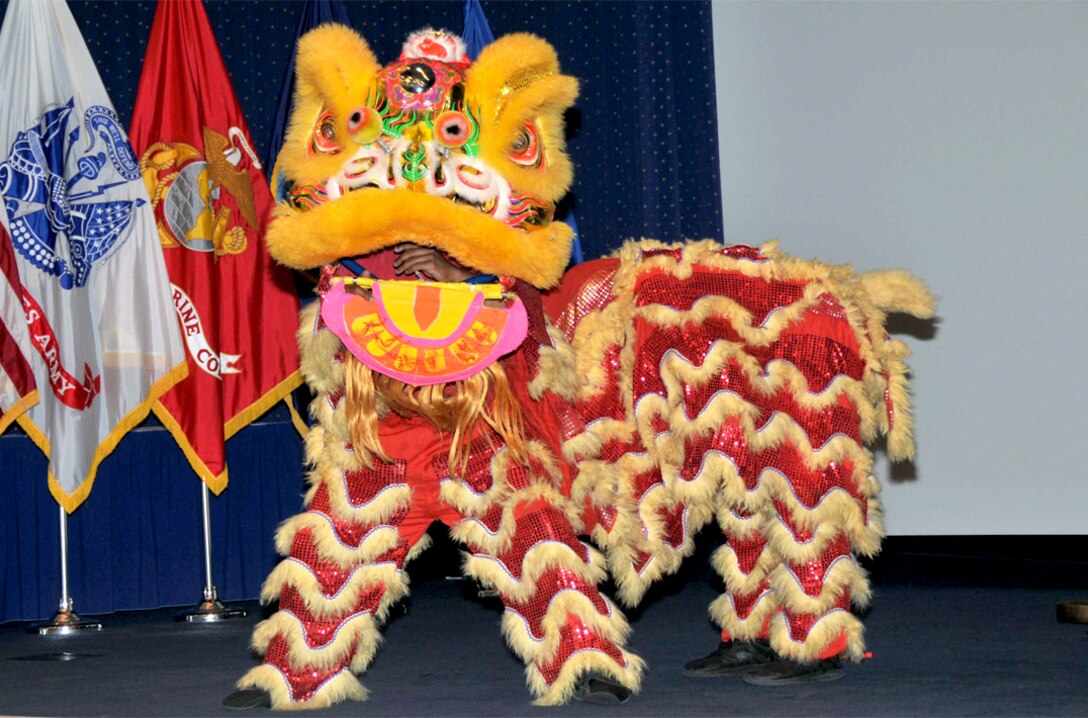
754, 294
538, 529
577, 637
477, 472
306, 680
746, 392
592, 295
551, 584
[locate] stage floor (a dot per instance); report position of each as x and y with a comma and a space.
936, 652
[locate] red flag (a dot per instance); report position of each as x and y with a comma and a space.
236, 307
18, 392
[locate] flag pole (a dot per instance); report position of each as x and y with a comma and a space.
65, 621
211, 608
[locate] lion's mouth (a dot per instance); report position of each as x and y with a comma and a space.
306, 197
487, 207
462, 181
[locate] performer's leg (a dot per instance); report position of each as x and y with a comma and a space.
342, 573
569, 635
824, 514
556, 620
808, 484
819, 476
745, 609
815, 588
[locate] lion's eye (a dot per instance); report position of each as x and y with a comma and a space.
364, 125
324, 137
525, 149
452, 129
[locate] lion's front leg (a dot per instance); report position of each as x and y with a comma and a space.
343, 571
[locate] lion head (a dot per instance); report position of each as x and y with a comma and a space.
432, 149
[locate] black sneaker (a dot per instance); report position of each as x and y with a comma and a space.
731, 658
601, 689
784, 672
248, 698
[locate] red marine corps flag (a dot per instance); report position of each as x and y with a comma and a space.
237, 309
92, 287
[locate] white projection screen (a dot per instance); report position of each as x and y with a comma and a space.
951, 140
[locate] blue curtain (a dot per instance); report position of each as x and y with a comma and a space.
137, 542
643, 137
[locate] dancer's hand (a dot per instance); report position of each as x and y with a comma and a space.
429, 263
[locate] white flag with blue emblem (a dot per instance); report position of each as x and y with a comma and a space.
95, 293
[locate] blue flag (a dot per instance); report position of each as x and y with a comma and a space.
477, 35
314, 13
576, 243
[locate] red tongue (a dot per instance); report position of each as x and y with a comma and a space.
426, 306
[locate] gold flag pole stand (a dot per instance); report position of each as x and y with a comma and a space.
65, 621
211, 608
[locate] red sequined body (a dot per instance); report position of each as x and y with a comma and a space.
733, 375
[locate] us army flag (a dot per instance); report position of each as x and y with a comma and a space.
237, 308
94, 290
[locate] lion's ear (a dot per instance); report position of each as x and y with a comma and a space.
334, 65
517, 84
334, 72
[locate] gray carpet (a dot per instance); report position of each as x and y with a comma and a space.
936, 652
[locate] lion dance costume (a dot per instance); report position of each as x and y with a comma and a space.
676, 383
